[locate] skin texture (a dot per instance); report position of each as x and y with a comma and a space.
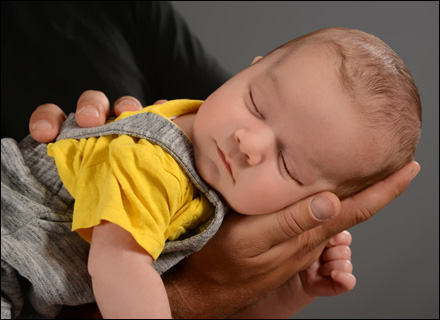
271, 248
125, 283
286, 131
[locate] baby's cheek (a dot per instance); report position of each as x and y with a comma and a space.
261, 198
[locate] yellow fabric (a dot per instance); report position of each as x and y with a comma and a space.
133, 183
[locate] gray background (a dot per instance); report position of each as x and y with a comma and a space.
395, 254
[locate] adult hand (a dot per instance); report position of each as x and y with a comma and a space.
252, 256
329, 275
92, 110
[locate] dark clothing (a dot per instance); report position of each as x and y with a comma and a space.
54, 51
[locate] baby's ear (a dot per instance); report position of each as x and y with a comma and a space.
256, 59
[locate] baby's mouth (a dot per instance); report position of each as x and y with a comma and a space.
225, 162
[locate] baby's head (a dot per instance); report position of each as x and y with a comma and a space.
333, 110
383, 93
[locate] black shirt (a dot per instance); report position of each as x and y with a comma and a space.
54, 51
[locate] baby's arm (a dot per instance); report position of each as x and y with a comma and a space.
125, 284
330, 275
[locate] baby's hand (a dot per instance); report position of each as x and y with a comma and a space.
331, 274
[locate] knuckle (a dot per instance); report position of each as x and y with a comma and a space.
45, 106
364, 214
289, 224
346, 252
363, 209
127, 103
310, 240
309, 254
48, 111
347, 266
128, 99
93, 97
94, 94
393, 192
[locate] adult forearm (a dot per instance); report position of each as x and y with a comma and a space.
282, 303
188, 300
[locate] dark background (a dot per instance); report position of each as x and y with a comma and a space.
395, 254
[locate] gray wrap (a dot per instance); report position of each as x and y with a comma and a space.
44, 264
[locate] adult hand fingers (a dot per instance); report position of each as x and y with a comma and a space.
126, 103
266, 232
367, 203
341, 252
129, 103
160, 101
246, 255
297, 226
93, 109
340, 265
343, 281
342, 238
45, 122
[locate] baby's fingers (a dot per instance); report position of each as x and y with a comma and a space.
343, 281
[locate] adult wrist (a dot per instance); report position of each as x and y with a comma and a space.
190, 300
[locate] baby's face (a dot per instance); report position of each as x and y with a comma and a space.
274, 134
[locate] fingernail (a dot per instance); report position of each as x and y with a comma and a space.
129, 105
322, 208
42, 125
332, 241
89, 110
414, 172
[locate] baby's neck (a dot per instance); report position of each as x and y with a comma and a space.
185, 123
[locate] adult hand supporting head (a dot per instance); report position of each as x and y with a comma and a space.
251, 256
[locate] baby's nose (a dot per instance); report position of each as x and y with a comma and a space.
253, 145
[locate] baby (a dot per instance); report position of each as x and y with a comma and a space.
333, 110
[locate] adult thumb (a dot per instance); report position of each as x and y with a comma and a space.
301, 216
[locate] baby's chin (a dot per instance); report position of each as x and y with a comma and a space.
247, 208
